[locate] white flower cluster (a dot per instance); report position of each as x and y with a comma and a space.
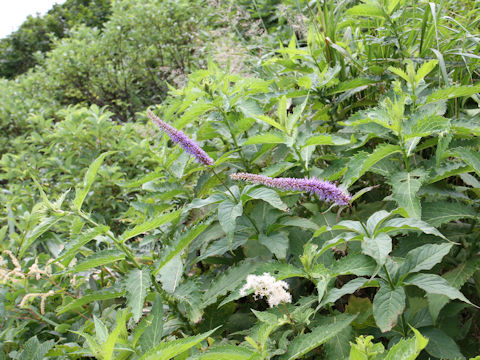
266, 286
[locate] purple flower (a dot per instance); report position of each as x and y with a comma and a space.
183, 140
324, 189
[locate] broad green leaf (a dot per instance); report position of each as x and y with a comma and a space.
441, 212
228, 352
228, 211
349, 288
104, 294
378, 247
453, 92
425, 69
351, 84
180, 245
171, 274
338, 347
268, 195
136, 284
82, 192
100, 258
429, 125
304, 343
170, 349
74, 245
153, 334
150, 225
362, 162
34, 350
327, 140
101, 331
265, 119
188, 294
399, 72
471, 157
37, 231
376, 219
425, 257
370, 10
277, 243
435, 284
229, 280
405, 186
411, 224
388, 304
440, 345
456, 278
266, 138
407, 349
356, 264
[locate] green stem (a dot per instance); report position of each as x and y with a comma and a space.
390, 282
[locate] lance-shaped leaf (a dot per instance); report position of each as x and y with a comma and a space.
229, 352
388, 304
349, 288
104, 294
100, 258
137, 282
405, 186
441, 212
268, 195
150, 225
74, 245
153, 334
453, 92
38, 231
327, 139
411, 224
471, 157
425, 257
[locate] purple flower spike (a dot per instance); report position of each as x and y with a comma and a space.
324, 189
183, 140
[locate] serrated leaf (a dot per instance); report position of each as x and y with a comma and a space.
453, 92
362, 162
349, 288
101, 331
268, 195
411, 224
472, 158
435, 284
356, 264
170, 349
338, 347
405, 186
189, 297
34, 350
228, 352
81, 192
304, 343
104, 294
150, 225
388, 304
326, 140
100, 258
425, 69
179, 246
441, 212
407, 349
171, 274
37, 231
425, 257
378, 247
153, 333
266, 138
74, 245
429, 125
136, 284
108, 347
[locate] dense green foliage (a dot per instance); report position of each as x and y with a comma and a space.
118, 244
21, 50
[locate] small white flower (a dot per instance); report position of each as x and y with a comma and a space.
266, 286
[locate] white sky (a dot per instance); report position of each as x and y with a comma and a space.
14, 12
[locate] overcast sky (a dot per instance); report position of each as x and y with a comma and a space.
14, 12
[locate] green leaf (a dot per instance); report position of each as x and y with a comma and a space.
277, 243
441, 212
74, 245
266, 138
411, 224
104, 294
407, 349
356, 264
136, 284
435, 284
228, 352
154, 332
453, 92
100, 258
326, 140
268, 195
292, 119
370, 10
150, 225
388, 304
304, 343
170, 349
440, 345
378, 247
108, 347
171, 274
228, 211
425, 69
349, 288
82, 192
429, 125
338, 347
179, 246
34, 350
37, 231
362, 162
425, 257
399, 72
405, 186
472, 158
101, 331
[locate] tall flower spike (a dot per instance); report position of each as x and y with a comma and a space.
324, 189
183, 140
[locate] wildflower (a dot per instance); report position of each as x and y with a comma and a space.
266, 286
324, 189
183, 140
